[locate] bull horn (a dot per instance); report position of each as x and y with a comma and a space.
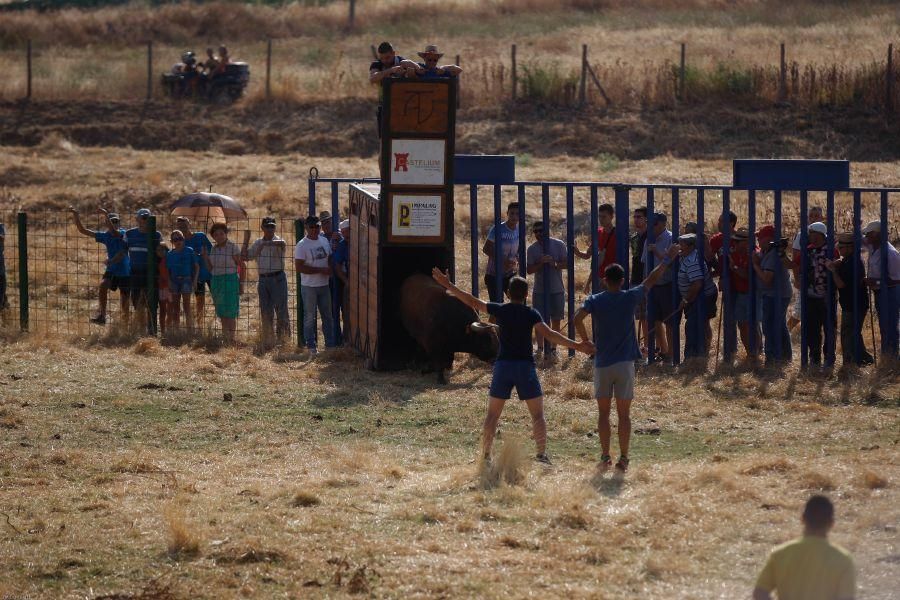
479, 327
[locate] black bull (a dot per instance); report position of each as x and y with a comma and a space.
442, 325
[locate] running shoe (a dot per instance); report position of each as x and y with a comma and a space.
543, 458
605, 462
622, 464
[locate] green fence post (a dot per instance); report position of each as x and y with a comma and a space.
152, 291
23, 270
299, 233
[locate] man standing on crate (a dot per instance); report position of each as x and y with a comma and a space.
388, 66
117, 272
268, 252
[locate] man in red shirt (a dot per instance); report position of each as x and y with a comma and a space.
739, 266
606, 243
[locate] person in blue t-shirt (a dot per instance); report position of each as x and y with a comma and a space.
116, 275
514, 366
197, 241
137, 242
509, 253
184, 268
612, 314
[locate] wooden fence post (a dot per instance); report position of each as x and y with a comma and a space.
681, 72
782, 77
889, 76
269, 69
28, 60
514, 74
149, 69
458, 93
582, 90
352, 15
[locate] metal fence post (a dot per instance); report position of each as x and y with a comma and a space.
499, 268
782, 77
269, 69
473, 218
729, 336
857, 249
152, 287
649, 315
830, 308
514, 73
28, 61
522, 234
311, 183
458, 86
570, 262
620, 226
22, 219
149, 69
804, 280
336, 329
888, 336
545, 270
751, 247
299, 233
675, 342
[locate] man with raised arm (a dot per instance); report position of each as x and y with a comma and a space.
612, 313
515, 362
117, 272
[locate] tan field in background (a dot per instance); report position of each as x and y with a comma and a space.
102, 54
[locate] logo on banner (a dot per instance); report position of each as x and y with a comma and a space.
401, 162
405, 213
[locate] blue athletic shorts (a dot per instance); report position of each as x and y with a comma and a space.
520, 374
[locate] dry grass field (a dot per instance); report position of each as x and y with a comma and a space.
132, 469
839, 48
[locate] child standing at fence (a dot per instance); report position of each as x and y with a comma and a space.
184, 269
162, 286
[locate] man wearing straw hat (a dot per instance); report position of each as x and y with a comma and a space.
887, 302
429, 69
848, 287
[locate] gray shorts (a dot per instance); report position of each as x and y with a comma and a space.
615, 380
557, 305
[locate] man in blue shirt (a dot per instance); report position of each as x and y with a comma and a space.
197, 241
514, 366
509, 251
612, 314
138, 242
116, 275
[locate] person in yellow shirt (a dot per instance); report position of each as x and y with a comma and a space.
810, 567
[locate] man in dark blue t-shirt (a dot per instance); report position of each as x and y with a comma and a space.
116, 275
515, 362
612, 313
138, 243
388, 66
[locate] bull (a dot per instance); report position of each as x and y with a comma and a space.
442, 325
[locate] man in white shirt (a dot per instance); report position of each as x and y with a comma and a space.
268, 252
312, 265
887, 302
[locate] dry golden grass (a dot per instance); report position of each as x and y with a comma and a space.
633, 44
288, 492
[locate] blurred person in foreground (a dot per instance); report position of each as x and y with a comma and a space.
117, 271
514, 367
887, 302
612, 313
548, 256
809, 567
272, 288
853, 348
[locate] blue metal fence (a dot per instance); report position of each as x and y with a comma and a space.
624, 197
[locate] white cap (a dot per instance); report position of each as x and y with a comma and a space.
345, 224
872, 227
818, 227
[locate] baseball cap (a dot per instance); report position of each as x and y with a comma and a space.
741, 234
345, 224
688, 237
182, 219
818, 227
872, 227
143, 212
267, 221
113, 216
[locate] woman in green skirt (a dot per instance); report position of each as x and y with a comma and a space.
223, 262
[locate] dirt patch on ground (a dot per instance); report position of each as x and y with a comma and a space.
347, 128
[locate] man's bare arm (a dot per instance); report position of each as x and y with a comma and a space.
557, 338
466, 298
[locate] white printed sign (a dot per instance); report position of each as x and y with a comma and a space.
417, 162
416, 216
